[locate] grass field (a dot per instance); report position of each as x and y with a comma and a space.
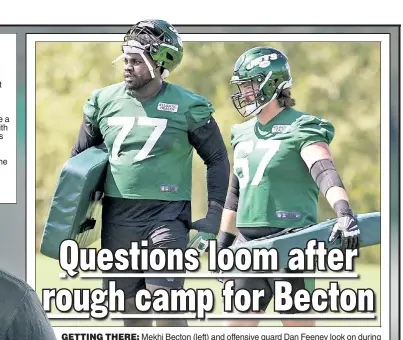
47, 276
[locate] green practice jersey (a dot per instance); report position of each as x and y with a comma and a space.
150, 154
276, 188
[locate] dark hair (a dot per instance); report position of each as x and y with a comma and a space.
285, 99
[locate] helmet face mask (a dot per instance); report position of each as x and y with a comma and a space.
159, 40
246, 99
260, 73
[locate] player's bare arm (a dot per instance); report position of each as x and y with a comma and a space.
228, 229
319, 161
228, 224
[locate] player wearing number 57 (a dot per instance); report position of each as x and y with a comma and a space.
150, 128
281, 163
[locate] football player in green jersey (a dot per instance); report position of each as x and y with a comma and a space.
281, 162
151, 127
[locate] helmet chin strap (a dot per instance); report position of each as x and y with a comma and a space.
253, 107
165, 74
133, 46
254, 110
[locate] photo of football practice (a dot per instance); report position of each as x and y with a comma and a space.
162, 158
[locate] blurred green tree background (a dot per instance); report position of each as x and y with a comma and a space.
339, 81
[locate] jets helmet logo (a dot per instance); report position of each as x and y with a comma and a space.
262, 61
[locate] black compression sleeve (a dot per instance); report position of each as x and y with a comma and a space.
231, 202
88, 136
209, 144
325, 175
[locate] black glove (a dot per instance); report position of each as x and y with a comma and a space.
346, 227
225, 240
207, 227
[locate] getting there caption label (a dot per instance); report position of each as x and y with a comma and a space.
8, 151
259, 334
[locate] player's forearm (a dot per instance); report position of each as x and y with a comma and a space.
210, 146
338, 200
228, 222
228, 230
217, 172
335, 194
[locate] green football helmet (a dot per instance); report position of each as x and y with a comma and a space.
159, 40
260, 74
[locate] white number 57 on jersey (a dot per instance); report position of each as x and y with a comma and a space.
246, 148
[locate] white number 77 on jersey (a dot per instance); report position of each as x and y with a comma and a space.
271, 146
127, 124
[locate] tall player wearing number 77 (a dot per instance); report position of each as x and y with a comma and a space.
150, 128
281, 162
